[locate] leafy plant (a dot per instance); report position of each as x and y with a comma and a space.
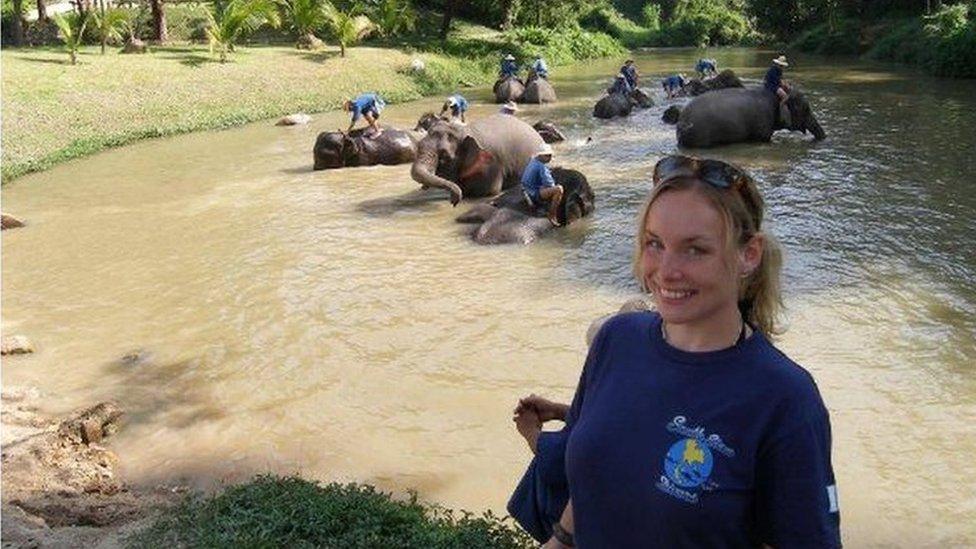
109, 24
394, 17
348, 28
72, 27
231, 22
272, 511
305, 17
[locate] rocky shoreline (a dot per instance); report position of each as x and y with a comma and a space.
61, 486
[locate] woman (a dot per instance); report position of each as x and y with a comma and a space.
688, 428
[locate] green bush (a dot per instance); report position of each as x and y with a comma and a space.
844, 39
272, 511
560, 46
943, 44
608, 20
707, 23
651, 17
185, 22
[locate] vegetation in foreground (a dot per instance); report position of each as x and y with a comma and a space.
271, 511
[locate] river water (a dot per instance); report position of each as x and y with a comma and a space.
338, 324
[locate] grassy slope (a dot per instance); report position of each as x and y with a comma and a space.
53, 111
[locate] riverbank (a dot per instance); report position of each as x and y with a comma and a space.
54, 111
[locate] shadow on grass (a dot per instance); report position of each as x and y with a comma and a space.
317, 56
48, 61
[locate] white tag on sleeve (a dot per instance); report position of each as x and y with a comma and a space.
832, 498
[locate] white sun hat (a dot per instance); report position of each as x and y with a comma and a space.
510, 57
544, 150
510, 106
781, 61
452, 101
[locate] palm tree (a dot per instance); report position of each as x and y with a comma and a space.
109, 24
306, 16
160, 33
394, 17
348, 28
232, 21
72, 27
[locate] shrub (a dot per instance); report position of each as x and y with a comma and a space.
185, 22
608, 20
560, 46
707, 23
943, 44
844, 39
272, 511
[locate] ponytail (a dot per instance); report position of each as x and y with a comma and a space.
761, 302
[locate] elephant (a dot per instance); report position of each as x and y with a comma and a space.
477, 159
612, 105
538, 90
549, 132
339, 149
671, 114
510, 219
618, 104
508, 88
723, 80
426, 120
737, 115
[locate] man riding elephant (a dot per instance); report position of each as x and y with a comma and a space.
738, 115
480, 159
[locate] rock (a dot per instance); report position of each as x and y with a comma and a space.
134, 45
16, 345
8, 221
309, 42
417, 65
93, 424
18, 393
91, 431
296, 119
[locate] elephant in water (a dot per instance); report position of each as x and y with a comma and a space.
538, 90
508, 88
618, 104
509, 219
345, 150
476, 159
737, 115
549, 132
696, 87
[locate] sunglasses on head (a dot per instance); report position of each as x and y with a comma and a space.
714, 172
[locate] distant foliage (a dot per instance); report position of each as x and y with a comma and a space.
560, 46
230, 22
347, 28
72, 29
943, 43
272, 511
608, 20
707, 23
394, 17
842, 39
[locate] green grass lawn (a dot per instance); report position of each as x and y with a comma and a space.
53, 111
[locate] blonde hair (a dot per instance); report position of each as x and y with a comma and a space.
760, 300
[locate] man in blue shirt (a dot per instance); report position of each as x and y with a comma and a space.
673, 84
539, 186
457, 104
368, 106
706, 67
774, 79
630, 73
539, 68
509, 68
620, 86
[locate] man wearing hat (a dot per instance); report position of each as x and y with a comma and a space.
458, 105
509, 68
509, 108
630, 73
774, 79
539, 186
673, 84
540, 68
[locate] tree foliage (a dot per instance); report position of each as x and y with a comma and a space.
230, 22
109, 24
348, 28
72, 29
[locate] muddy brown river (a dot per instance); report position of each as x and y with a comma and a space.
338, 324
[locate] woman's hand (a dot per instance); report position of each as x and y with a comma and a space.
554, 543
546, 409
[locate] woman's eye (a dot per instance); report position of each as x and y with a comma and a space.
696, 251
654, 245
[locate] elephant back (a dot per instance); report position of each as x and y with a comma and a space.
612, 105
508, 89
539, 90
512, 141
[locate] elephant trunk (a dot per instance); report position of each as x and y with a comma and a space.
424, 172
818, 133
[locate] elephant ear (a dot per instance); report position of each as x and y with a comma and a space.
350, 151
473, 159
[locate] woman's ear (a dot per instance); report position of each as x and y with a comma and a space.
750, 256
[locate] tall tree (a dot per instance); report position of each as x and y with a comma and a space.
160, 34
450, 7
18, 23
509, 11
41, 10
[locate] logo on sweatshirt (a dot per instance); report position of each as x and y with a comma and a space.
689, 461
